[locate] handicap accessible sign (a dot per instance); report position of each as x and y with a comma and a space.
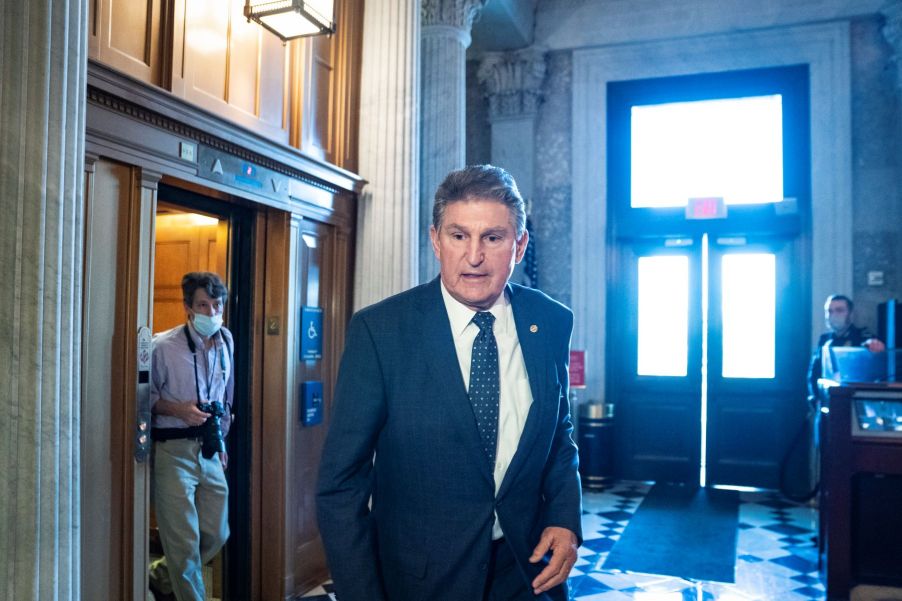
311, 333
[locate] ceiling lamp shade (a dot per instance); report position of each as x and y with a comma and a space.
291, 19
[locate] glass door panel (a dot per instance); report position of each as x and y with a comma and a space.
755, 396
748, 313
654, 357
707, 358
663, 341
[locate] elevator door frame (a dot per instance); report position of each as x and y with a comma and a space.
240, 264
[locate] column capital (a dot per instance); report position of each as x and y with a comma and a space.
892, 32
513, 81
459, 14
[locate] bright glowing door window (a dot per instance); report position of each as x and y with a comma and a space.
748, 309
663, 315
730, 148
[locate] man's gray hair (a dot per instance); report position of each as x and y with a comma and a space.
485, 182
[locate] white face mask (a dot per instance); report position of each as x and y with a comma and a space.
837, 324
205, 325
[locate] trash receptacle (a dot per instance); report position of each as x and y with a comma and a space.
596, 445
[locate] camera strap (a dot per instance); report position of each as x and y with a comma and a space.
192, 347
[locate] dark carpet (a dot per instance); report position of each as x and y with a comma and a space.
681, 531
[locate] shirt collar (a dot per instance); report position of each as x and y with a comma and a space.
461, 315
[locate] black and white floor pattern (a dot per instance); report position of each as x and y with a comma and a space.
776, 555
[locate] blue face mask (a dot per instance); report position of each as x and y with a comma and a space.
205, 325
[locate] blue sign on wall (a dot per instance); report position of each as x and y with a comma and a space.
311, 403
311, 333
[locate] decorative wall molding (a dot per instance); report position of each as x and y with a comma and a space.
513, 81
825, 48
455, 13
236, 142
575, 24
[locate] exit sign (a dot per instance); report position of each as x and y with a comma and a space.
706, 208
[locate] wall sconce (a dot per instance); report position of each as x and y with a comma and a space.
291, 19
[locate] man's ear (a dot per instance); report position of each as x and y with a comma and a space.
433, 236
522, 243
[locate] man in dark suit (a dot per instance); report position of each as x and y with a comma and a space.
449, 472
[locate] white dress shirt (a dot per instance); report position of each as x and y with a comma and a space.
516, 395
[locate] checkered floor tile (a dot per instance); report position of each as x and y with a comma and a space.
776, 554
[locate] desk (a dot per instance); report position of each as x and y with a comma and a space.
843, 455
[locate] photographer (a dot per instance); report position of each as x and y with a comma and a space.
192, 385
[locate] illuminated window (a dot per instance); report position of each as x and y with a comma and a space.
749, 315
729, 148
663, 315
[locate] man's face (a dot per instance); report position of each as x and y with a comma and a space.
204, 304
477, 247
837, 315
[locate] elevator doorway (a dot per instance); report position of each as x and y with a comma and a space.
194, 232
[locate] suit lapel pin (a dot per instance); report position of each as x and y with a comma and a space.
533, 328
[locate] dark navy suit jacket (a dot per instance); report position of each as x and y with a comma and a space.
403, 431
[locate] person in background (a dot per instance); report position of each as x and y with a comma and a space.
842, 332
449, 471
192, 386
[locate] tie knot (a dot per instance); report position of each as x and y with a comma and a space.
484, 320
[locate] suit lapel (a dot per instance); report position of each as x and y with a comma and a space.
533, 334
441, 358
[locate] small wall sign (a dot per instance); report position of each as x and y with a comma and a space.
311, 333
577, 369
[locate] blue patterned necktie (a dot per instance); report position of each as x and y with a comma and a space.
485, 387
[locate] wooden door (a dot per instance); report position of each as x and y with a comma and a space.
317, 274
120, 203
757, 358
710, 359
185, 242
314, 288
657, 361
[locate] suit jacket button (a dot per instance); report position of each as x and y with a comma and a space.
484, 567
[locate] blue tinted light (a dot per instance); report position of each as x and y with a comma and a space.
730, 148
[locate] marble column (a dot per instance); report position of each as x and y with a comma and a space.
388, 216
445, 38
513, 84
43, 69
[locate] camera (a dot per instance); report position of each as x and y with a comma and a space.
212, 442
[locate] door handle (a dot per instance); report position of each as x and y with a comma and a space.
142, 415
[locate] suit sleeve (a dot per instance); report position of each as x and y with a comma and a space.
346, 470
561, 487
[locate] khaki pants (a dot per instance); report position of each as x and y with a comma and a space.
191, 499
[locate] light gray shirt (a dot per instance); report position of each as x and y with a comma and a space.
172, 375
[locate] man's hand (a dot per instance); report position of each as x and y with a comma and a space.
191, 415
875, 345
187, 411
224, 459
562, 544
